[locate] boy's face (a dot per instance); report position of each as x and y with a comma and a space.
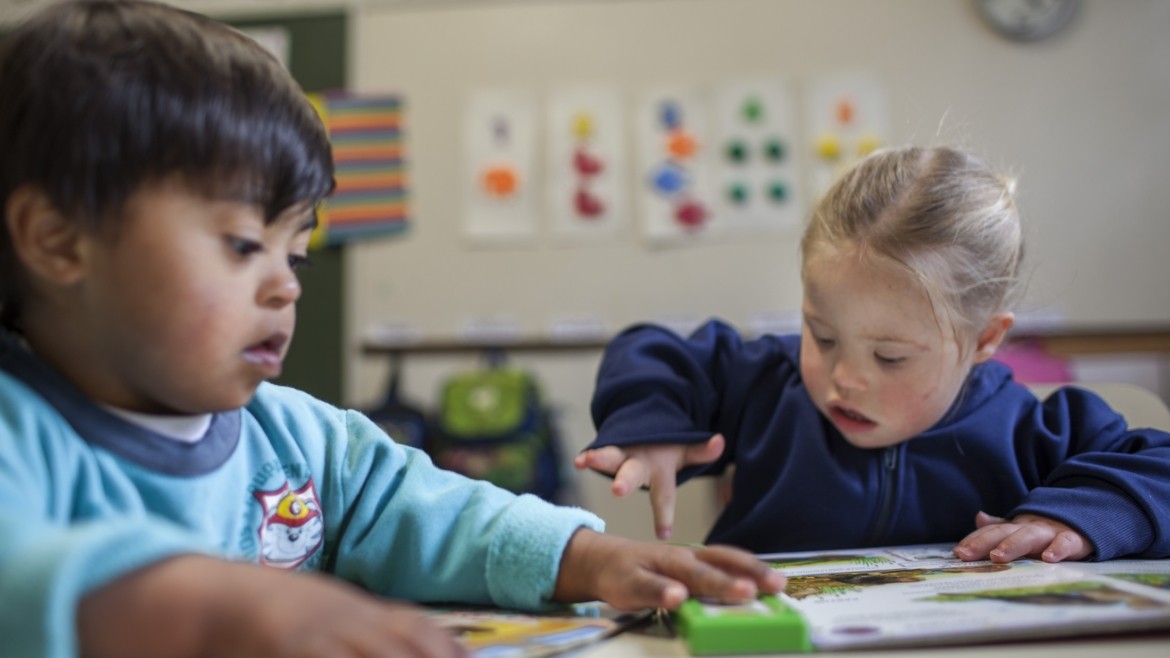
872, 354
190, 302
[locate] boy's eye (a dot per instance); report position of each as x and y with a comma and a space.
889, 360
824, 342
242, 246
298, 262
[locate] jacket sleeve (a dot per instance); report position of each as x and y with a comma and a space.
412, 530
655, 387
1108, 481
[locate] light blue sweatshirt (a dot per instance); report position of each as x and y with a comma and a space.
288, 481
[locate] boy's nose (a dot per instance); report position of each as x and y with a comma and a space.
281, 288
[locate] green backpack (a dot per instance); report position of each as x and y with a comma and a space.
493, 425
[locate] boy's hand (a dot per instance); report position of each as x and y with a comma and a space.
655, 467
198, 606
631, 575
1027, 535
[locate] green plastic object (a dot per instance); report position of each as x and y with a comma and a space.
765, 625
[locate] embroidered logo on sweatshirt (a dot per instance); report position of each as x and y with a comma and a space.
292, 528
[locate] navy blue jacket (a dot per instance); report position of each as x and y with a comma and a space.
798, 485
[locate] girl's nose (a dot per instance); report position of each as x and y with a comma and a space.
847, 376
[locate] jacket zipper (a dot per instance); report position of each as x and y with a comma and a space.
889, 466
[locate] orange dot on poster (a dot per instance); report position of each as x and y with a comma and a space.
681, 144
845, 112
500, 181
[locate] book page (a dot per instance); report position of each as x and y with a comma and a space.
494, 633
918, 595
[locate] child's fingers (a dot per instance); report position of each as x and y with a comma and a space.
662, 499
983, 519
978, 544
705, 452
1024, 540
1066, 545
647, 589
704, 579
606, 460
741, 563
630, 476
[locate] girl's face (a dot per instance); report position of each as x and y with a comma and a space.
873, 355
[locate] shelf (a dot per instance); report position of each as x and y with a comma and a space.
463, 347
1062, 342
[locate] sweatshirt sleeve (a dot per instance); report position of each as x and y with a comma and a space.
655, 387
412, 530
1108, 481
45, 571
54, 548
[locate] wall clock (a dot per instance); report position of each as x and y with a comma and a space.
1027, 20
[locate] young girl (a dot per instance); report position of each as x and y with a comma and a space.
885, 421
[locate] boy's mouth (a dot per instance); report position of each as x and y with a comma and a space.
268, 353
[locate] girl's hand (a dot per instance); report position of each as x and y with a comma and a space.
1027, 535
654, 466
631, 575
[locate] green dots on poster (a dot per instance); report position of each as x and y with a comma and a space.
774, 150
752, 110
737, 152
778, 192
737, 193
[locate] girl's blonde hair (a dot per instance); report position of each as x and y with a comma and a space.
940, 213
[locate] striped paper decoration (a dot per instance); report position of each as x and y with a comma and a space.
370, 199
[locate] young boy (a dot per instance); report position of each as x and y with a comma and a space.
158, 186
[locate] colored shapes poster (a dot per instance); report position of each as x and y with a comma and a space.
586, 165
500, 144
847, 117
757, 171
673, 170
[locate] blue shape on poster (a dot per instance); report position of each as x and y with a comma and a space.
671, 115
669, 179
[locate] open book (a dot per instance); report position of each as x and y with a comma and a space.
920, 595
500, 633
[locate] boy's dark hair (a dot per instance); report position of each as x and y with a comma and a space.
102, 96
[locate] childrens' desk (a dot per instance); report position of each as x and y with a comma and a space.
655, 642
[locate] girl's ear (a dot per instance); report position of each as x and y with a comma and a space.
47, 242
992, 335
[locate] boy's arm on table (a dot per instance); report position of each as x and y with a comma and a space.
131, 587
199, 606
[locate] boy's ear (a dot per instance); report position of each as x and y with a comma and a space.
46, 241
992, 335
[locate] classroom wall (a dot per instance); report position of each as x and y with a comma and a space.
1081, 119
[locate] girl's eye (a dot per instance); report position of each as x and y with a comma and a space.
889, 360
242, 246
825, 342
298, 262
